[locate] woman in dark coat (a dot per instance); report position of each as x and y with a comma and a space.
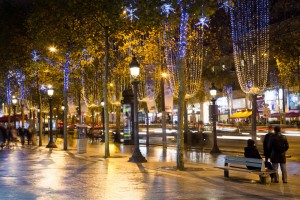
251, 152
278, 146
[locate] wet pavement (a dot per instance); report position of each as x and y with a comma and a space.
37, 173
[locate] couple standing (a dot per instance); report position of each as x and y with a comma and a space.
275, 145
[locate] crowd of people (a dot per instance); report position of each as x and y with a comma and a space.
11, 136
275, 146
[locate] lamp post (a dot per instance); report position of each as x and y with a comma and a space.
62, 110
163, 110
137, 156
14, 101
213, 93
50, 92
194, 115
23, 127
103, 123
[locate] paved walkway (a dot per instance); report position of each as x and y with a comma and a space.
37, 173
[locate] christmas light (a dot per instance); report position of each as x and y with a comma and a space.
8, 92
250, 35
167, 9
202, 21
183, 33
227, 5
35, 55
130, 11
190, 49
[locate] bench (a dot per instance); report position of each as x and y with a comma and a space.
237, 163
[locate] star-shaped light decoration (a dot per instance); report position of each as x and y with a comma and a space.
130, 10
167, 9
10, 74
202, 21
35, 55
43, 87
226, 5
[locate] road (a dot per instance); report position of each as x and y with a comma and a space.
229, 140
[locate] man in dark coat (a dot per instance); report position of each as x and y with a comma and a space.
278, 146
266, 143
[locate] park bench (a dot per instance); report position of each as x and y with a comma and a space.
237, 163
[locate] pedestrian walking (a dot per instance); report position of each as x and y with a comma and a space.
28, 135
266, 143
278, 147
12, 138
22, 135
2, 137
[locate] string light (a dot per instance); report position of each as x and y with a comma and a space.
8, 92
67, 72
190, 48
250, 35
21, 82
183, 33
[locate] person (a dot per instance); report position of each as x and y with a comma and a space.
278, 147
22, 135
266, 143
12, 138
2, 138
251, 151
28, 135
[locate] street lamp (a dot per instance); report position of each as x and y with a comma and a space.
137, 156
14, 101
50, 92
213, 93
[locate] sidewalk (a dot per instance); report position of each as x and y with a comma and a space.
37, 173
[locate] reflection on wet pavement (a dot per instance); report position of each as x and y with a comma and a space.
37, 173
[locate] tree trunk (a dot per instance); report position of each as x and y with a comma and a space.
118, 114
147, 123
253, 117
180, 135
283, 105
66, 87
163, 112
107, 154
186, 126
182, 85
8, 119
40, 117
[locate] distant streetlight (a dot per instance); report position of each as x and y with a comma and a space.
14, 102
137, 156
213, 93
52, 49
50, 92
